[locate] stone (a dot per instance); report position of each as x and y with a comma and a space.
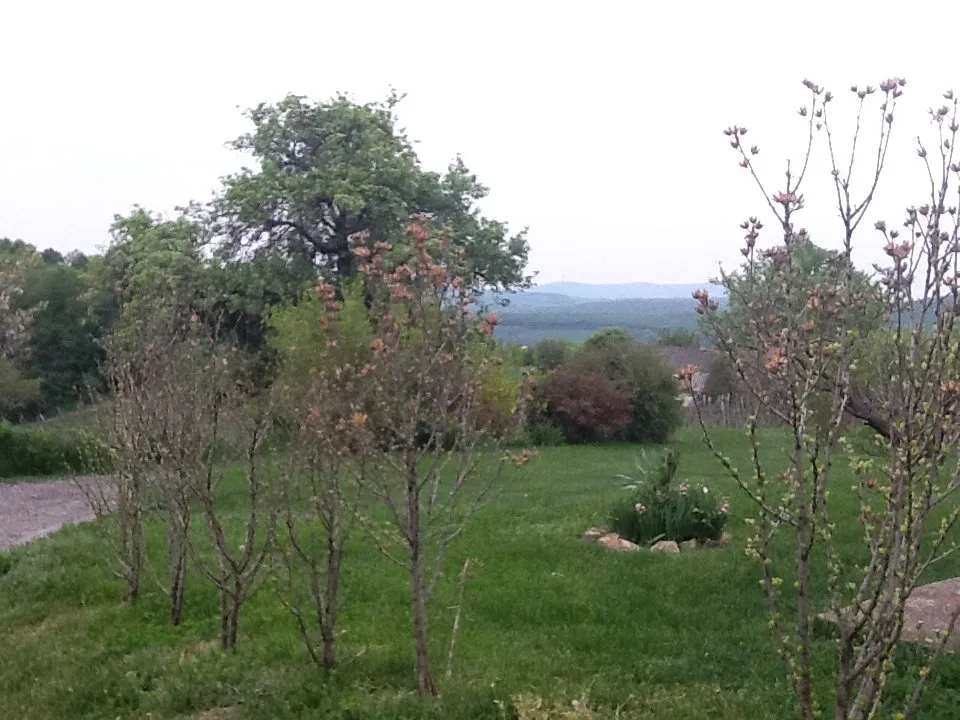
723, 541
594, 534
612, 541
688, 545
666, 546
926, 615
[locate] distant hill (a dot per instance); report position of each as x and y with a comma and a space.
531, 299
625, 291
574, 311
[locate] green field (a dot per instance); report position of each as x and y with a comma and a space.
631, 635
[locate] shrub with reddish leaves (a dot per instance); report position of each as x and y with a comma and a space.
585, 406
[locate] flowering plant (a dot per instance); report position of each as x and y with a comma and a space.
657, 509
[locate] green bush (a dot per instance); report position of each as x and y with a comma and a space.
865, 442
544, 435
6, 564
657, 509
31, 452
550, 353
641, 372
608, 338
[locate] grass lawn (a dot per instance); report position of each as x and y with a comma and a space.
633, 635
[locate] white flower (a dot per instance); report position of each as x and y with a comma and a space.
706, 490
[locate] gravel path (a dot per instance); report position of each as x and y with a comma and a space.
31, 510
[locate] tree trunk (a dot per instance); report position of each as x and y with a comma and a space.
329, 646
229, 620
844, 684
330, 610
177, 548
224, 619
136, 542
804, 545
178, 582
421, 620
421, 625
234, 622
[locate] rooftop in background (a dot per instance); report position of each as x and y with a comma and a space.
679, 357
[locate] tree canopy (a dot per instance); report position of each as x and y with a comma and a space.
326, 171
323, 174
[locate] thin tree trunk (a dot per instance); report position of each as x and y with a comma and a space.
224, 620
234, 621
178, 582
421, 626
844, 684
137, 548
421, 620
177, 549
229, 621
804, 545
332, 590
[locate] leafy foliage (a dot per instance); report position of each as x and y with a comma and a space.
15, 257
31, 452
678, 337
550, 353
722, 379
640, 372
607, 339
17, 393
613, 388
64, 344
500, 395
585, 406
299, 334
405, 414
540, 435
660, 509
332, 169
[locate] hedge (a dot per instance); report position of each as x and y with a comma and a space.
26, 452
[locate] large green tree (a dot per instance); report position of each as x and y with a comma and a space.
64, 350
155, 264
150, 260
325, 171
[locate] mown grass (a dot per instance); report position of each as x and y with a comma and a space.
634, 635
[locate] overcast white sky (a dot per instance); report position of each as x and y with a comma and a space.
597, 124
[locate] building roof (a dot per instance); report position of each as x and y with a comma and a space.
680, 357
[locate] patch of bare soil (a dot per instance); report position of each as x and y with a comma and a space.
32, 510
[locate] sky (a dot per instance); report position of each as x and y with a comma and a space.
596, 125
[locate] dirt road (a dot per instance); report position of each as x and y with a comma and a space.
31, 510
